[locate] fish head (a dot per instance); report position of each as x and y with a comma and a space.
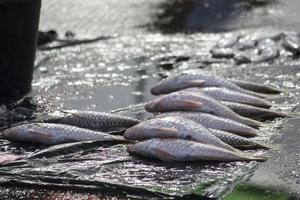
132, 149
14, 132
155, 105
137, 132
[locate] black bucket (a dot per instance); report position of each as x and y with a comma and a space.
19, 20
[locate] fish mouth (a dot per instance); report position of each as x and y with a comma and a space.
131, 149
150, 106
155, 90
129, 132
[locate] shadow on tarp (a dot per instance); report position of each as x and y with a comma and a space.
201, 15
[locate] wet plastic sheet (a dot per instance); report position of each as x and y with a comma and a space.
102, 166
99, 77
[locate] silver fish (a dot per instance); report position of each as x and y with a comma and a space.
215, 122
257, 87
47, 133
174, 127
90, 119
196, 78
256, 112
196, 102
170, 150
225, 94
238, 141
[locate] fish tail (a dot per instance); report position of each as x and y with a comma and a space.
259, 158
122, 140
260, 145
289, 114
253, 123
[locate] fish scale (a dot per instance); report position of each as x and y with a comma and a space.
230, 95
215, 122
90, 119
196, 102
238, 141
253, 111
48, 133
174, 127
196, 78
169, 150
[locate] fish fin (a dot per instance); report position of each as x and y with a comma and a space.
194, 83
258, 158
164, 131
249, 157
290, 114
189, 104
266, 146
72, 113
163, 155
39, 135
255, 145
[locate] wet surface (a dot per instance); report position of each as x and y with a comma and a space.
116, 74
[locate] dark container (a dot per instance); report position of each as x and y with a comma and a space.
19, 20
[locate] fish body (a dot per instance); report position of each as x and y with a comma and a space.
196, 102
50, 134
173, 127
170, 150
238, 141
225, 94
196, 78
257, 87
256, 112
215, 122
101, 121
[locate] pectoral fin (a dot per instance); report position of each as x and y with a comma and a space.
164, 132
39, 136
163, 155
189, 104
194, 83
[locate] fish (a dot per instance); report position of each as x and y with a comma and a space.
237, 141
257, 87
101, 121
225, 94
196, 78
256, 112
172, 150
173, 127
51, 134
196, 102
215, 122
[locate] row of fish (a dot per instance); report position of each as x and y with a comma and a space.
194, 123
200, 117
244, 49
